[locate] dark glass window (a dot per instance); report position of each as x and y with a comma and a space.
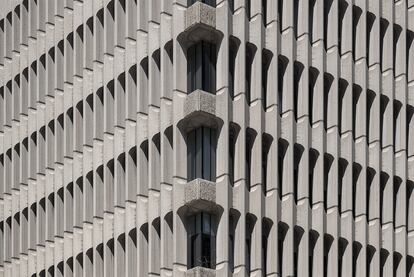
250, 51
232, 65
202, 241
201, 68
266, 59
201, 154
264, 12
208, 2
232, 151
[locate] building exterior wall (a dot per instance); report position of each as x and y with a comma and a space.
307, 141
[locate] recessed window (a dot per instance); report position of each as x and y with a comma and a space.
343, 5
208, 2
282, 65
313, 157
264, 12
201, 154
356, 171
233, 48
250, 222
233, 133
250, 52
202, 241
327, 163
313, 76
266, 59
298, 151
201, 67
327, 83
282, 147
250, 137
356, 15
383, 31
266, 143
297, 74
280, 14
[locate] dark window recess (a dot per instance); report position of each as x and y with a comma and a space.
298, 151
232, 64
264, 12
342, 89
356, 93
296, 17
409, 42
370, 101
313, 76
342, 165
313, 237
356, 15
327, 83
384, 100
383, 30
282, 231
327, 4
282, 147
231, 5
280, 14
201, 67
297, 74
396, 188
233, 218
266, 143
266, 226
233, 133
266, 59
208, 2
370, 178
343, 5
313, 156
202, 241
356, 171
297, 237
370, 24
250, 137
397, 109
397, 32
201, 154
248, 9
327, 243
282, 65
327, 163
250, 222
250, 52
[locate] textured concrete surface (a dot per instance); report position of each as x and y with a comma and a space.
200, 195
315, 137
201, 272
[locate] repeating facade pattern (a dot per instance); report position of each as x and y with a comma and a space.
207, 138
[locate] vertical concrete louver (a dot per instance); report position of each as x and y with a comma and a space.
207, 138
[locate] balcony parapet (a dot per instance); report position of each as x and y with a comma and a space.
201, 272
200, 195
200, 110
200, 24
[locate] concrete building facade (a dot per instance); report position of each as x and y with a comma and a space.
207, 138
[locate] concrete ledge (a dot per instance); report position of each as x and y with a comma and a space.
200, 110
201, 272
200, 24
200, 101
200, 13
200, 195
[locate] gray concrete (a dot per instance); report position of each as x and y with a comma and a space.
94, 116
